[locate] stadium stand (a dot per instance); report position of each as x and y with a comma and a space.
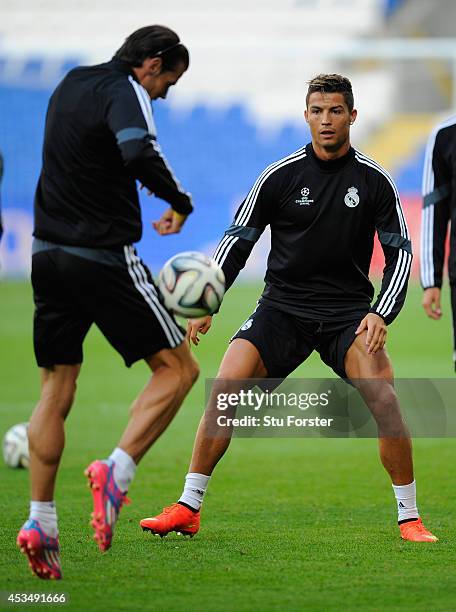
238, 109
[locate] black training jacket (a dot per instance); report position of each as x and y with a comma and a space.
439, 204
99, 139
323, 217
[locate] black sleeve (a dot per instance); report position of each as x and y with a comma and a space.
436, 209
129, 117
251, 218
394, 237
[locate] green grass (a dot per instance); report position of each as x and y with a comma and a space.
287, 524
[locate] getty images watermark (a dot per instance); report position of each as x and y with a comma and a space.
330, 408
261, 401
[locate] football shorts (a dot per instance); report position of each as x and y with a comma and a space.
285, 341
75, 287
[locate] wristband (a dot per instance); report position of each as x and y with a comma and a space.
179, 216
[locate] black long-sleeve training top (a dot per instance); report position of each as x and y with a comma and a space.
439, 204
99, 139
323, 217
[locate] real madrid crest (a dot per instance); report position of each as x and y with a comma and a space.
351, 197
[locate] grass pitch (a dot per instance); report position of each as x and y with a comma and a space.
295, 524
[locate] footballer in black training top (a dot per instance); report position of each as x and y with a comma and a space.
324, 204
439, 212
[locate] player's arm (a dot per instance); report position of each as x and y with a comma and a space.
249, 222
233, 250
135, 135
394, 237
434, 221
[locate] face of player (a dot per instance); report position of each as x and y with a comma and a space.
329, 120
155, 80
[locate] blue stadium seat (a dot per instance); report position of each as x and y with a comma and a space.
216, 153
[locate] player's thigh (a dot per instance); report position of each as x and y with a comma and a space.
60, 325
372, 375
241, 366
242, 360
359, 364
179, 360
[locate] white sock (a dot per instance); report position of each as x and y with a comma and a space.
194, 490
124, 468
46, 514
406, 501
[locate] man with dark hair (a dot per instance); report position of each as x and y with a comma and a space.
99, 139
324, 204
332, 83
153, 41
439, 212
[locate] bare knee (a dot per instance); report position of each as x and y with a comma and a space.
384, 406
192, 371
384, 398
188, 371
58, 398
178, 363
58, 390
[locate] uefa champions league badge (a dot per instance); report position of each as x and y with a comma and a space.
305, 200
351, 197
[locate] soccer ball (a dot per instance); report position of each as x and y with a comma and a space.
15, 446
192, 284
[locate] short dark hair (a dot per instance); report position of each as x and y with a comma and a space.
332, 83
154, 41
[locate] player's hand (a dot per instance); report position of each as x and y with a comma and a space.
198, 326
431, 303
170, 222
376, 332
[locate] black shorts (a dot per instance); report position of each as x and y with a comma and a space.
75, 287
284, 341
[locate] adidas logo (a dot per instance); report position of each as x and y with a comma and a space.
401, 505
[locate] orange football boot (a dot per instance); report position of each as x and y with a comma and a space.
415, 531
176, 518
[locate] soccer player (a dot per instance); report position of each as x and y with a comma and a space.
99, 139
439, 208
324, 204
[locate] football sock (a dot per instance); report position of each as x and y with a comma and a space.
124, 468
194, 490
406, 502
45, 513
